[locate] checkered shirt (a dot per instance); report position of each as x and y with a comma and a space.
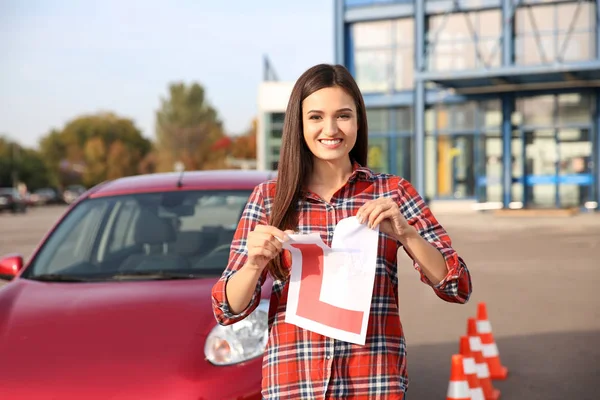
300, 364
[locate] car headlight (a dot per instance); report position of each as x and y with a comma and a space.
239, 342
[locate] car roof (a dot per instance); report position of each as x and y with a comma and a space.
190, 180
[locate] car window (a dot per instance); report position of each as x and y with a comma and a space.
73, 243
184, 231
126, 214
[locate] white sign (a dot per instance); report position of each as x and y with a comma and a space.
331, 288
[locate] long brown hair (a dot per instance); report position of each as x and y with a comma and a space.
296, 160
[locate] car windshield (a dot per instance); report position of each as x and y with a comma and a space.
182, 234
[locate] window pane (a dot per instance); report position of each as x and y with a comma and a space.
577, 46
542, 17
530, 52
536, 110
404, 68
378, 120
405, 31
404, 119
122, 236
277, 124
452, 45
456, 25
566, 12
574, 108
493, 167
442, 118
404, 157
372, 70
378, 154
372, 34
429, 120
463, 116
491, 114
490, 53
490, 23
430, 166
72, 242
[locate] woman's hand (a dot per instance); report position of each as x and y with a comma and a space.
385, 212
264, 243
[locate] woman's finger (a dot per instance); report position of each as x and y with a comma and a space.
377, 211
388, 214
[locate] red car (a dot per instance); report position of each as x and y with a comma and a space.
115, 302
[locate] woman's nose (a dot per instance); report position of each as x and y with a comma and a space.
332, 128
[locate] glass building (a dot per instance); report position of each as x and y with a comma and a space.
496, 102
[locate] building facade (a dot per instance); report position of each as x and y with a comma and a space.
273, 98
491, 101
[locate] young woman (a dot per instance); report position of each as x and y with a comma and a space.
323, 178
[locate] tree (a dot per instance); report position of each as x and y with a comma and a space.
94, 148
19, 164
96, 161
244, 146
187, 127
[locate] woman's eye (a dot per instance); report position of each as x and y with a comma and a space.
344, 116
315, 117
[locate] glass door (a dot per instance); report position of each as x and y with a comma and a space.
541, 158
575, 167
378, 157
456, 166
489, 179
464, 166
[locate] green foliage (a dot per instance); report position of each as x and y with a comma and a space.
94, 148
19, 164
187, 127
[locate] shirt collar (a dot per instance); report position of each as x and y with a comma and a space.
358, 171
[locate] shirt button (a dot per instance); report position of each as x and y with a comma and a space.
328, 357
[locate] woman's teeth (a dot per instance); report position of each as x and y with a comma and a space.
331, 141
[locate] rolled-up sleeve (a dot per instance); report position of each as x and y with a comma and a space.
252, 215
456, 286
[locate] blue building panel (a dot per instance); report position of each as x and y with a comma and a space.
519, 129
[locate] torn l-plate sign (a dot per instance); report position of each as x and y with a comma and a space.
330, 289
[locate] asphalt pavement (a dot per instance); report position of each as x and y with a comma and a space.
538, 277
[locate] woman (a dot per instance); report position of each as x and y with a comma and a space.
322, 179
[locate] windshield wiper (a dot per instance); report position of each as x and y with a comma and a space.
153, 275
58, 278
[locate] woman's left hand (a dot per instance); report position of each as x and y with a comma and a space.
385, 212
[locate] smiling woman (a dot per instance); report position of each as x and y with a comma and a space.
323, 179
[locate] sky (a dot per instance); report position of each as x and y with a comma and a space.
60, 59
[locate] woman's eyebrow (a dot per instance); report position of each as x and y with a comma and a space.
346, 109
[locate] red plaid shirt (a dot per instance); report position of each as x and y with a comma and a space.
300, 364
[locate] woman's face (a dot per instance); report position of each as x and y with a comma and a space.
330, 123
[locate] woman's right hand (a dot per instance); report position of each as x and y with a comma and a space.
264, 243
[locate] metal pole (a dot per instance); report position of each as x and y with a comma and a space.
419, 176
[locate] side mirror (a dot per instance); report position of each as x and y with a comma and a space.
10, 266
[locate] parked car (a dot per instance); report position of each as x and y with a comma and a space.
72, 193
11, 200
115, 303
46, 196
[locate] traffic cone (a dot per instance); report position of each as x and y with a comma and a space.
458, 387
490, 350
483, 373
470, 369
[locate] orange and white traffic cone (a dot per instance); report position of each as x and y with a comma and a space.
458, 387
470, 369
483, 373
490, 350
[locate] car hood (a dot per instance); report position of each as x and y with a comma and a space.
105, 335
